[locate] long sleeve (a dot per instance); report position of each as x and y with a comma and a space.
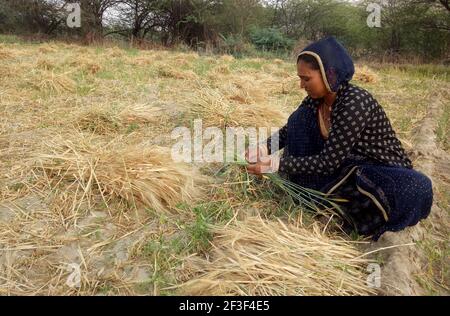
281, 136
348, 123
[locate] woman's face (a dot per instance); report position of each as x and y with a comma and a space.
311, 80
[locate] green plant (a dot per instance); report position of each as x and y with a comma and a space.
312, 200
132, 127
269, 39
199, 232
235, 45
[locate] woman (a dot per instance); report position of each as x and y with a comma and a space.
340, 141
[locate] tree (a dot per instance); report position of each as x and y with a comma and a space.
39, 16
92, 13
137, 18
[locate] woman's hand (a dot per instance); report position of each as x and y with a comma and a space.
253, 154
260, 161
259, 167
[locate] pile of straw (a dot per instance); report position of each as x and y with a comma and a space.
136, 174
48, 48
98, 120
216, 110
170, 72
49, 81
141, 60
140, 113
226, 58
86, 64
115, 52
365, 74
221, 70
44, 63
4, 53
261, 257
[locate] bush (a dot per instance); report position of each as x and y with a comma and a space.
235, 45
269, 39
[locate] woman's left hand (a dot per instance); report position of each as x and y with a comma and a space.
259, 167
267, 164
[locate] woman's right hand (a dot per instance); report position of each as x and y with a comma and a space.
260, 161
254, 154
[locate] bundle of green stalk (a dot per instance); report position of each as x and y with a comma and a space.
308, 199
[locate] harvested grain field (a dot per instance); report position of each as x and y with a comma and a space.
91, 202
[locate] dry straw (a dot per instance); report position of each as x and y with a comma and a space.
48, 48
226, 58
49, 81
97, 120
139, 175
44, 63
5, 53
86, 63
261, 257
141, 113
100, 120
215, 110
170, 72
115, 52
365, 74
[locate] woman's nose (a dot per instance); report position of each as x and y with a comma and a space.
302, 84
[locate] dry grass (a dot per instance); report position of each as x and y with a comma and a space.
260, 257
49, 81
141, 60
97, 120
37, 252
102, 120
5, 53
86, 63
115, 52
139, 175
85, 198
216, 110
167, 71
141, 113
365, 74
221, 70
48, 48
45, 63
226, 58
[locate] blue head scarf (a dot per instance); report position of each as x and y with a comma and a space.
336, 65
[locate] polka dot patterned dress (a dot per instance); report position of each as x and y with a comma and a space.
359, 126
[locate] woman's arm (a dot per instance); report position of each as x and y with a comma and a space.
349, 123
280, 136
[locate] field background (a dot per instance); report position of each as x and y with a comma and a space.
70, 113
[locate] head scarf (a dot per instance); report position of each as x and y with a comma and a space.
336, 65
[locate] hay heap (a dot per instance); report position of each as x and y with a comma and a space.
103, 121
45, 63
261, 257
97, 120
365, 74
141, 113
138, 175
49, 81
216, 110
5, 53
226, 58
170, 72
86, 63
